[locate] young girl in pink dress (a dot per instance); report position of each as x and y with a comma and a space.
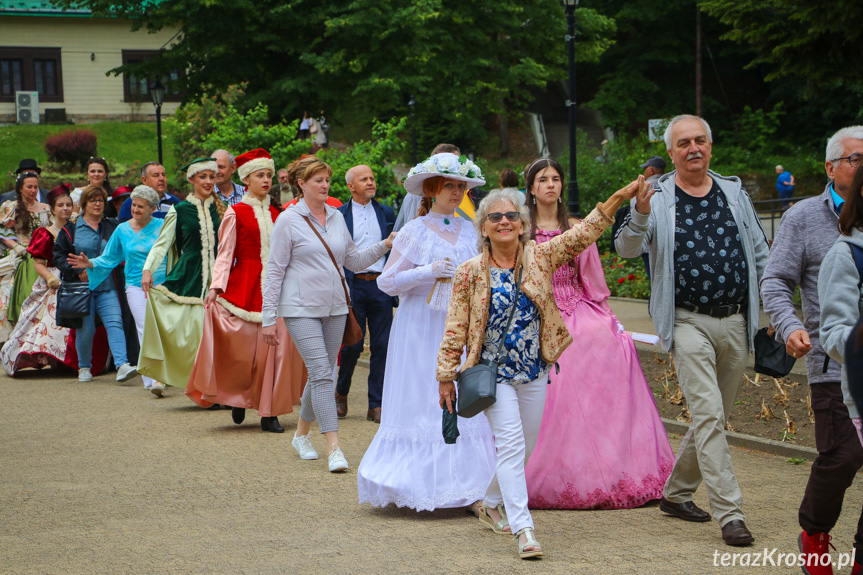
602, 444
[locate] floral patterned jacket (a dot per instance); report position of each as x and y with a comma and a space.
469, 304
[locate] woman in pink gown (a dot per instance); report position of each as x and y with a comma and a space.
602, 444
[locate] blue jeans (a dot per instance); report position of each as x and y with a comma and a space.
107, 305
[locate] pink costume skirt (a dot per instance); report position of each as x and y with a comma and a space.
235, 367
602, 444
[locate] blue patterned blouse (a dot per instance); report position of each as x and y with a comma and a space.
521, 361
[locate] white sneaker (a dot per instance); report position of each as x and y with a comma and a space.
84, 374
304, 447
337, 460
126, 372
157, 389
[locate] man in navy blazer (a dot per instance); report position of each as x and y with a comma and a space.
369, 222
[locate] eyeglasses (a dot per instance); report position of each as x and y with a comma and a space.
853, 160
96, 201
495, 217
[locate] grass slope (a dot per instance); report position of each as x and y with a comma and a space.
122, 144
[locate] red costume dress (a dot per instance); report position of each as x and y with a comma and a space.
234, 366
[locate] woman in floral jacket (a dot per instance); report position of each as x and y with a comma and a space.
482, 296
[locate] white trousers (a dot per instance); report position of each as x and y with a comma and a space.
138, 305
515, 419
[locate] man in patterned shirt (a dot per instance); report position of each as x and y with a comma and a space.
228, 191
707, 254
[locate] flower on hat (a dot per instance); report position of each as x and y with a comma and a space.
447, 165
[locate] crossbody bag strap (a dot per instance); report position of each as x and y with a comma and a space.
333, 258
511, 316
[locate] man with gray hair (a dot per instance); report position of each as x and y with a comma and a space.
368, 221
152, 175
805, 234
228, 191
707, 252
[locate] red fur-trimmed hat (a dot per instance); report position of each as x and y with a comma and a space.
252, 161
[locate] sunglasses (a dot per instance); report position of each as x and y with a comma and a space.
495, 217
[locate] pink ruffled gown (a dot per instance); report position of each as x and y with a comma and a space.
602, 444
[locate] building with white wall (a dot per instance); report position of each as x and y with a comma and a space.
64, 56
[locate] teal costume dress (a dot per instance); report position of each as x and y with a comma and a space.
174, 320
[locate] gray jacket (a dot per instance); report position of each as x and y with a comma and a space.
654, 233
841, 303
807, 231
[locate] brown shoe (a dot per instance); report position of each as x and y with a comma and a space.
688, 511
341, 405
374, 414
735, 533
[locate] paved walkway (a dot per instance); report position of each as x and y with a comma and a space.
99, 478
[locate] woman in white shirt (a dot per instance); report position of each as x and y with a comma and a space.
305, 287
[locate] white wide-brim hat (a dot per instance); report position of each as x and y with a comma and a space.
444, 165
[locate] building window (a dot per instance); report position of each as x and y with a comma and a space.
31, 69
137, 89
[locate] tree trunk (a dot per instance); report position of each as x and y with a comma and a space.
503, 132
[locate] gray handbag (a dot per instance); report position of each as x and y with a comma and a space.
477, 385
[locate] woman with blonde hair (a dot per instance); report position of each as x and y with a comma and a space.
503, 311
304, 285
174, 316
408, 462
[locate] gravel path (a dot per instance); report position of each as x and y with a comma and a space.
100, 478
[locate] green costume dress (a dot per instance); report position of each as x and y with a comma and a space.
174, 319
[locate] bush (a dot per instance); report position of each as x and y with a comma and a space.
625, 278
198, 129
72, 149
385, 145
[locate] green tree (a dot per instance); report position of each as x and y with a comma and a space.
460, 61
817, 42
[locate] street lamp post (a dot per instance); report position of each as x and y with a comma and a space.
572, 190
157, 92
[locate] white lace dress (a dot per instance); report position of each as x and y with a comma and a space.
408, 462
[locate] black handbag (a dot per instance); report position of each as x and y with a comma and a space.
477, 385
73, 300
770, 356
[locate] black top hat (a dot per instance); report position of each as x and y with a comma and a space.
28, 165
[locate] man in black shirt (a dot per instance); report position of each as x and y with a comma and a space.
707, 252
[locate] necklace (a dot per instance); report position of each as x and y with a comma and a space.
495, 262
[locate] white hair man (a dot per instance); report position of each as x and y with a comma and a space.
796, 262
368, 221
707, 252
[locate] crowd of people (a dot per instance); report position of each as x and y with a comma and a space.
246, 303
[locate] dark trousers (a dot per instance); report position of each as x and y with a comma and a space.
374, 307
840, 456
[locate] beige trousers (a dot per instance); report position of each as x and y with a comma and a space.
710, 355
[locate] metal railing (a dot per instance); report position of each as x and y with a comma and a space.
770, 212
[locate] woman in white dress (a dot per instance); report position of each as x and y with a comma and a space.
408, 462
